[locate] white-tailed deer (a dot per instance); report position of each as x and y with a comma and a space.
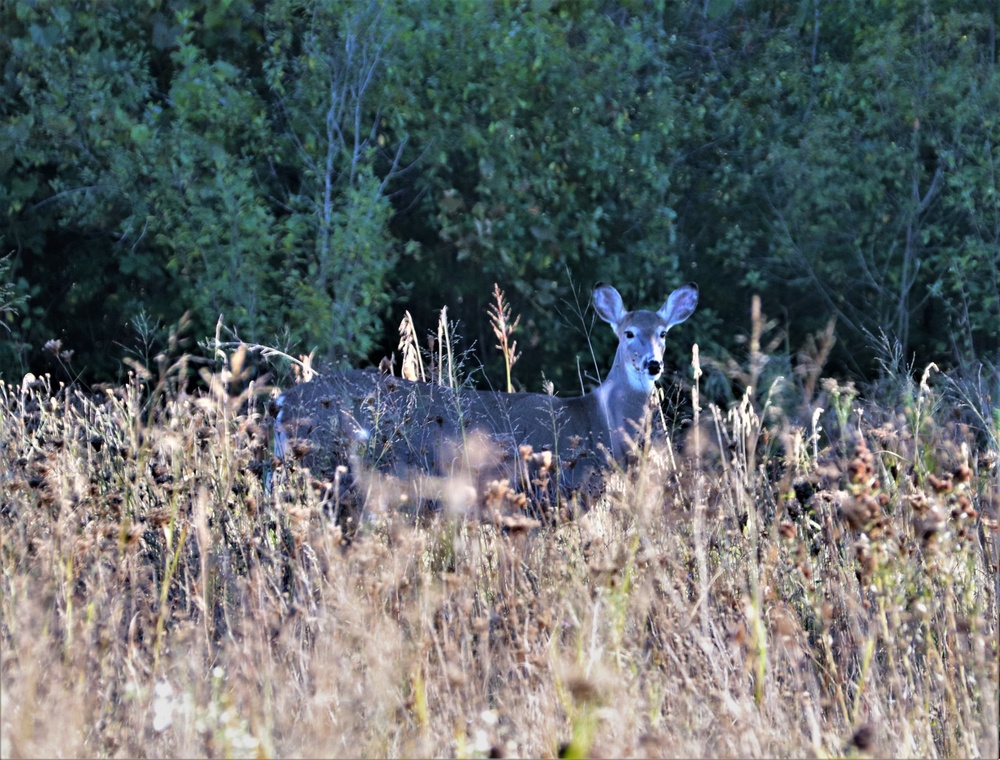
402, 425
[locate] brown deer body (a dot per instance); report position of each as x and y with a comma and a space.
401, 425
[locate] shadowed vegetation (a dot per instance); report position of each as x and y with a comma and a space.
760, 583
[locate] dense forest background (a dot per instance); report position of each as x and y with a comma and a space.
308, 170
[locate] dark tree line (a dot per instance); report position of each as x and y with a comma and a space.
308, 170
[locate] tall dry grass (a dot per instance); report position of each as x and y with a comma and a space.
767, 588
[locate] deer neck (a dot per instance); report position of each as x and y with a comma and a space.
621, 408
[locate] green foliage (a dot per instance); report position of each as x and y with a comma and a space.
336, 247
311, 170
882, 205
11, 300
73, 86
149, 175
544, 142
209, 215
853, 173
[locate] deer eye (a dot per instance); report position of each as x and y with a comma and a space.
663, 334
629, 334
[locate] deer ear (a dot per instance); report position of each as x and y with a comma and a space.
680, 305
608, 304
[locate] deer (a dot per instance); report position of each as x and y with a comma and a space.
401, 425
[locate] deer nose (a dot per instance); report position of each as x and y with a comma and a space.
653, 368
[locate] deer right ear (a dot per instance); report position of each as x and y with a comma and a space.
680, 305
608, 304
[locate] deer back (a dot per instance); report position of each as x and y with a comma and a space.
396, 424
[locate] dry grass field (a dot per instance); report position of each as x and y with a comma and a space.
813, 582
